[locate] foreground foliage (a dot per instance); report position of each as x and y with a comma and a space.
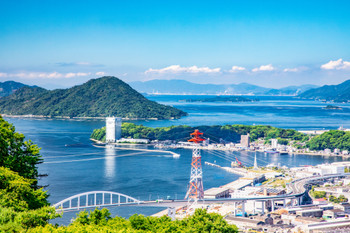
16, 192
216, 133
101, 221
17, 154
21, 206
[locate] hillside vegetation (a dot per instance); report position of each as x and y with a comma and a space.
106, 96
232, 133
336, 93
330, 140
216, 133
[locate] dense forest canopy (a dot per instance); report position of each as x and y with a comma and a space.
333, 139
106, 96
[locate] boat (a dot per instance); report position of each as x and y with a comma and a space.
271, 152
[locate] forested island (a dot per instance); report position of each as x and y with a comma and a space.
216, 133
332, 107
106, 96
222, 99
333, 139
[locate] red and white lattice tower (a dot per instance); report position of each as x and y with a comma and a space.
195, 187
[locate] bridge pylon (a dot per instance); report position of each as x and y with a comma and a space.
195, 188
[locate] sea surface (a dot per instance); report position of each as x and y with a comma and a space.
74, 166
279, 111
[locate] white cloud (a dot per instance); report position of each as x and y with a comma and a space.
336, 65
47, 75
79, 63
291, 70
79, 74
174, 69
84, 63
236, 69
3, 75
100, 73
268, 67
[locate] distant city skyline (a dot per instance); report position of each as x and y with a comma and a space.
57, 44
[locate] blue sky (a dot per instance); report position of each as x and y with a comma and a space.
268, 43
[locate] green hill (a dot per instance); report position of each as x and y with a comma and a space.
106, 96
336, 93
9, 87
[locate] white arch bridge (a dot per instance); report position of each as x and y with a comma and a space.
95, 199
108, 199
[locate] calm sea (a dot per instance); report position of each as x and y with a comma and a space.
74, 166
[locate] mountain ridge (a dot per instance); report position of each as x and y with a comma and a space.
179, 86
9, 87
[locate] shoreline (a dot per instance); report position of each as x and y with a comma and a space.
76, 118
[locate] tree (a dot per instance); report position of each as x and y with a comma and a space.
17, 192
17, 154
21, 206
100, 221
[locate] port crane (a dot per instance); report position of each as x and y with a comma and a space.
237, 163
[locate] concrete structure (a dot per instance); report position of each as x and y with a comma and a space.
344, 207
215, 193
113, 129
244, 223
274, 143
245, 140
133, 140
332, 226
333, 214
313, 212
255, 163
333, 168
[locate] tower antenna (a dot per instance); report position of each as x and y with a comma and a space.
195, 188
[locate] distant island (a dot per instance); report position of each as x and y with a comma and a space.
332, 107
105, 96
222, 99
333, 93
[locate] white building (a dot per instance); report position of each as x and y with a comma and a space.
245, 140
113, 128
333, 168
274, 143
